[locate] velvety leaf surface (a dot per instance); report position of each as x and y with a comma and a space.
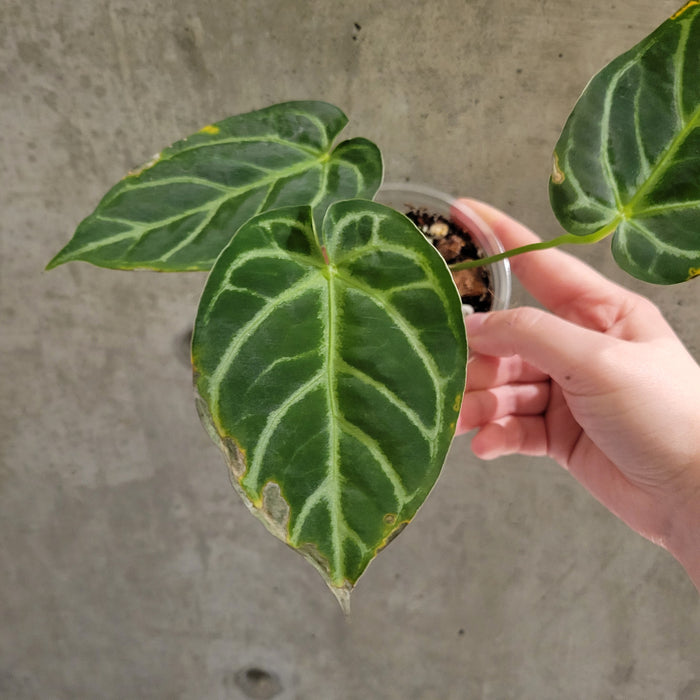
628, 159
178, 211
331, 374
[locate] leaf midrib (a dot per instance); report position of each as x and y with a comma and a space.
334, 501
628, 210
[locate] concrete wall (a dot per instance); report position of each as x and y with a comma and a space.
128, 566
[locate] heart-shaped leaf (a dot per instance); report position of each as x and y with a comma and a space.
628, 159
178, 211
331, 374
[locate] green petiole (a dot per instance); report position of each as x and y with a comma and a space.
542, 245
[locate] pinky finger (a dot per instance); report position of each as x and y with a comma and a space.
525, 435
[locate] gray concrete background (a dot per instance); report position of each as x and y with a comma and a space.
128, 567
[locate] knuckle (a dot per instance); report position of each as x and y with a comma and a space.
647, 307
525, 320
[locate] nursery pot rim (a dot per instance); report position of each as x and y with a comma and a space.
401, 196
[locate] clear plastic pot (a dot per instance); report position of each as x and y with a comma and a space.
406, 197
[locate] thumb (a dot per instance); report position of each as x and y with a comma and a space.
554, 346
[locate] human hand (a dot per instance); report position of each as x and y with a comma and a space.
602, 385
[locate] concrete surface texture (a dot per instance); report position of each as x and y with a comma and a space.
128, 566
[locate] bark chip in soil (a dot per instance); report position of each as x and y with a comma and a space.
455, 245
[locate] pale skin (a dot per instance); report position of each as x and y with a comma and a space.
600, 383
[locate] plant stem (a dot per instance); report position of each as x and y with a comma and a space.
542, 245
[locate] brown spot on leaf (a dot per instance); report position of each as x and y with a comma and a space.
275, 509
558, 176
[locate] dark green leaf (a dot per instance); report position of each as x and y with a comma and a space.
628, 159
179, 211
331, 375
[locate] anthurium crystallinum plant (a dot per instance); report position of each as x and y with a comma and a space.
329, 349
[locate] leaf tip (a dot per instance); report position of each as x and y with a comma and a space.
342, 595
57, 260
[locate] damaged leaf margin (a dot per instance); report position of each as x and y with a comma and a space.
331, 389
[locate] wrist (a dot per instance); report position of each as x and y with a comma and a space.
684, 541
